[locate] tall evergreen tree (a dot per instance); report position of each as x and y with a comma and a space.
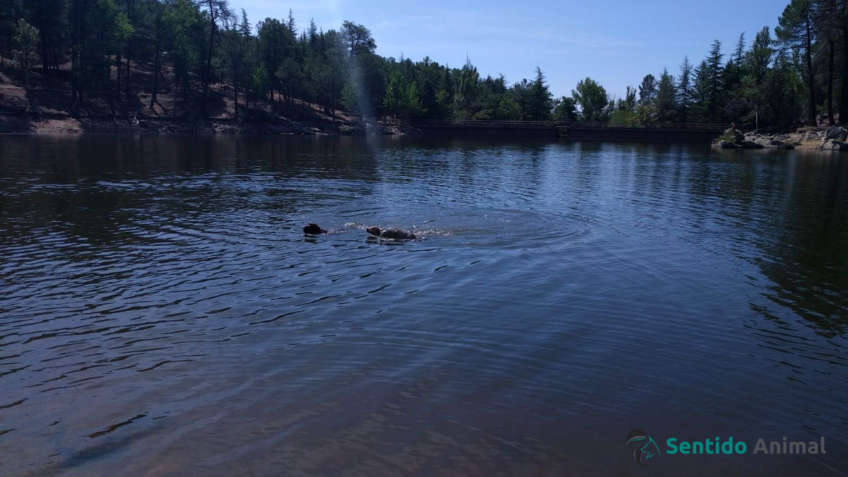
701, 92
216, 12
714, 72
842, 14
48, 16
684, 90
10, 12
827, 23
795, 30
666, 99
25, 45
541, 100
739, 52
758, 64
648, 90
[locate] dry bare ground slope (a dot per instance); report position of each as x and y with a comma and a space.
45, 106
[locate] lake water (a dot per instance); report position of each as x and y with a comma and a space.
161, 312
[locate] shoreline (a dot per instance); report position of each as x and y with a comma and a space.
806, 138
66, 125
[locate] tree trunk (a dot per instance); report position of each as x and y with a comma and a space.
830, 54
235, 93
130, 11
127, 76
119, 65
811, 85
78, 33
207, 73
843, 103
44, 61
235, 100
156, 68
42, 38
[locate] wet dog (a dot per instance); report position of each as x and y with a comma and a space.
396, 234
313, 229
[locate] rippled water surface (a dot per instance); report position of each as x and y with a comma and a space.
161, 312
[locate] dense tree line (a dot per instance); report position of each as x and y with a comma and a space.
113, 49
795, 74
101, 45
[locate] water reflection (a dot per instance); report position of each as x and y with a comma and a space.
806, 256
164, 282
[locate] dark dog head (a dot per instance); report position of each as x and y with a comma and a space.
313, 229
374, 231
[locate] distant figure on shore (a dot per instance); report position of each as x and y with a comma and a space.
396, 234
313, 229
738, 135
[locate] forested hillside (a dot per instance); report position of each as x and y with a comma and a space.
198, 59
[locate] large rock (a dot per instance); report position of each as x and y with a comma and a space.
811, 136
840, 145
751, 145
730, 145
836, 133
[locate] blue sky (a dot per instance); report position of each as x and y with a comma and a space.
616, 42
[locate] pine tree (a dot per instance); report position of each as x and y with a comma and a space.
49, 18
216, 12
25, 46
827, 23
540, 99
648, 90
739, 52
684, 90
758, 62
796, 30
714, 71
10, 13
666, 99
701, 92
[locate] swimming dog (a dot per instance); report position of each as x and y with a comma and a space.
313, 229
396, 234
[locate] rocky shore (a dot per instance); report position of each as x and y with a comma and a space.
60, 124
809, 138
